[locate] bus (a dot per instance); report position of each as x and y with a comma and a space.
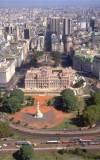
23, 142
53, 142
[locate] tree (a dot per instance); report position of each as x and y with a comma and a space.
97, 98
80, 104
91, 115
57, 58
26, 152
34, 62
50, 102
0, 96
11, 105
18, 94
5, 130
30, 100
69, 100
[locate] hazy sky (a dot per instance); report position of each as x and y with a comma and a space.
29, 3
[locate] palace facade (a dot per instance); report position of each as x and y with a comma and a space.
47, 79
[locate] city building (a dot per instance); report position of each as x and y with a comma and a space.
67, 27
26, 34
40, 43
49, 79
7, 71
54, 25
96, 66
87, 60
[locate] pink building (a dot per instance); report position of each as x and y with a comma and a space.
47, 79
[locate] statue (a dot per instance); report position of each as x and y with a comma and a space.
38, 114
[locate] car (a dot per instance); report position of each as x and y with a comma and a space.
17, 146
34, 144
5, 145
0, 147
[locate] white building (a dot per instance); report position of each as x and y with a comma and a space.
40, 43
7, 71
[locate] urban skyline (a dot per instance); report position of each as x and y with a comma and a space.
49, 79
48, 3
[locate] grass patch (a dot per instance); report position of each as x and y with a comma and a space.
53, 155
6, 157
56, 156
66, 124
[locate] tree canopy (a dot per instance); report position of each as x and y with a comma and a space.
26, 152
69, 100
57, 58
13, 102
80, 104
19, 94
11, 105
91, 115
5, 130
97, 98
34, 62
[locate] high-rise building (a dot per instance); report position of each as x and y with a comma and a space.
48, 41
26, 34
67, 24
92, 23
54, 25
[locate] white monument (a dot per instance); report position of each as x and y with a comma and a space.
38, 114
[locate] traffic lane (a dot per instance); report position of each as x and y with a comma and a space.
53, 148
44, 145
55, 135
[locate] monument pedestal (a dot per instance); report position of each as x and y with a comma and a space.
38, 114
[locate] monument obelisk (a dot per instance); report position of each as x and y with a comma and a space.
38, 113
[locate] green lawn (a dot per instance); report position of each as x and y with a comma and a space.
56, 156
66, 124
6, 157
47, 156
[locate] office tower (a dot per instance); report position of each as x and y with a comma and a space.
26, 34
67, 27
92, 23
54, 25
48, 41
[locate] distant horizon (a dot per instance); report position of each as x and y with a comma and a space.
49, 3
